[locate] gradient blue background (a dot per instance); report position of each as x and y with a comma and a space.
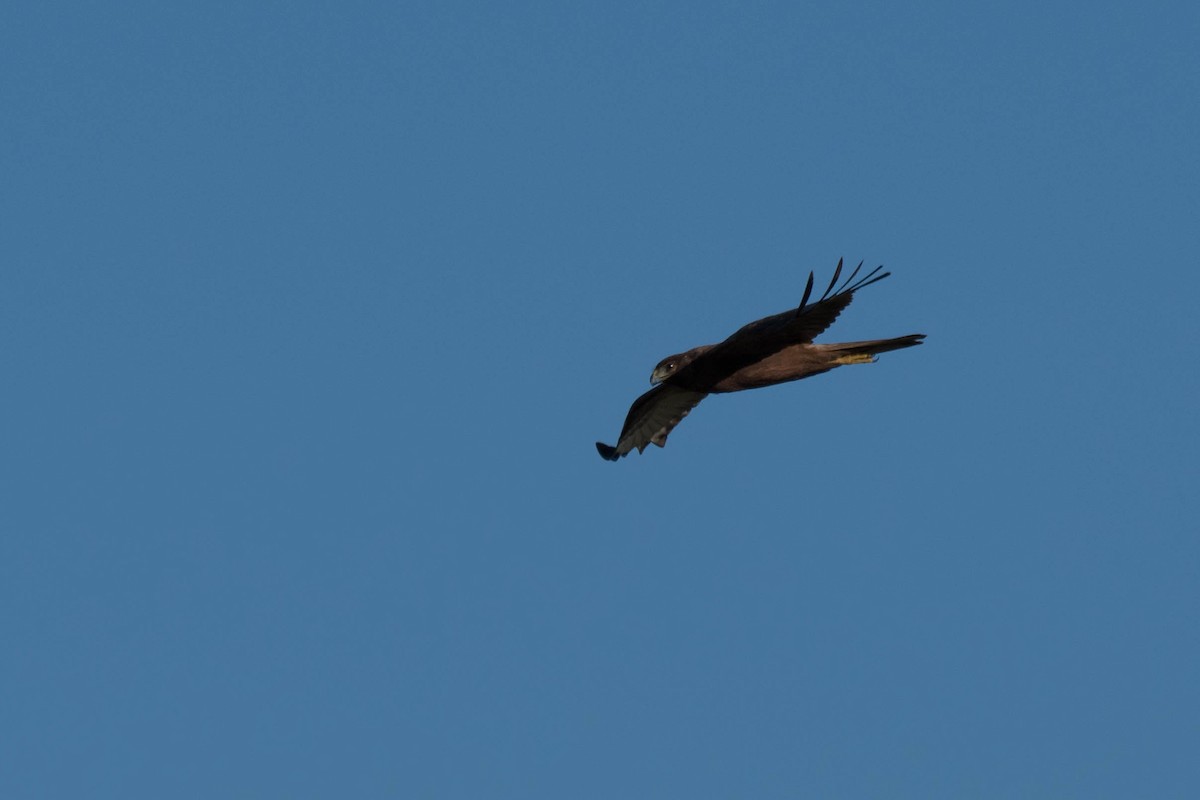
310, 315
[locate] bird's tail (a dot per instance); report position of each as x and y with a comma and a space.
865, 352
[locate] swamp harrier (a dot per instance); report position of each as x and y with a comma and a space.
772, 350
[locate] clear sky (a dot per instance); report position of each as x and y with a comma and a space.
310, 314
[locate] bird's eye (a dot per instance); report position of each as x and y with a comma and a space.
671, 365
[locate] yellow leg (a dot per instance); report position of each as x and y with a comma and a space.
858, 358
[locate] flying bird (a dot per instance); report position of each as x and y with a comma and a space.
774, 349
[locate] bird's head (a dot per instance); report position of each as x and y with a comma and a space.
667, 367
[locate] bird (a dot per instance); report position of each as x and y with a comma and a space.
771, 350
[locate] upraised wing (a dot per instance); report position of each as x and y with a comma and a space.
753, 342
651, 419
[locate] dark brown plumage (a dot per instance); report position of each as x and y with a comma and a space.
774, 349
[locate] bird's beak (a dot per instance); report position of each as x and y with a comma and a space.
656, 378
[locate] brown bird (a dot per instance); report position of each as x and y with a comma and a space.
774, 349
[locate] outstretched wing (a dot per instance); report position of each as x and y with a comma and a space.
762, 338
651, 419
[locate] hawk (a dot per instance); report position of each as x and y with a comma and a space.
772, 350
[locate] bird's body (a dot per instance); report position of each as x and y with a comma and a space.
803, 361
775, 349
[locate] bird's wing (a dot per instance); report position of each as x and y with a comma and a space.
761, 338
651, 419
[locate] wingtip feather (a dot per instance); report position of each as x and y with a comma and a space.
836, 274
807, 293
607, 452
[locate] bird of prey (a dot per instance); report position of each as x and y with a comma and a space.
771, 350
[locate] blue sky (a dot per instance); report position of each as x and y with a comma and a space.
311, 313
